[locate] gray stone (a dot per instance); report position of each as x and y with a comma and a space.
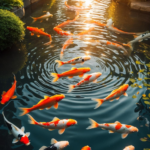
20, 12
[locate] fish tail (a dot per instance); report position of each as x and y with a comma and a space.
25, 111
71, 87
56, 77
60, 63
32, 120
94, 124
99, 102
34, 19
50, 37
130, 45
14, 76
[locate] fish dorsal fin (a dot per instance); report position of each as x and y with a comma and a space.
48, 13
114, 91
73, 68
41, 101
85, 76
117, 122
53, 141
45, 97
3, 93
42, 29
22, 129
55, 119
28, 134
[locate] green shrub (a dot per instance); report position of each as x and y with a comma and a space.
9, 4
11, 29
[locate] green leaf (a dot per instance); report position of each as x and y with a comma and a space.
146, 78
132, 80
143, 140
139, 79
148, 65
145, 98
138, 62
147, 102
142, 70
148, 135
134, 96
140, 86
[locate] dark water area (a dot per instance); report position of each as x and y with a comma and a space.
33, 68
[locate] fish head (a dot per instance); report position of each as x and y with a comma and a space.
25, 140
5, 99
130, 147
86, 148
125, 87
60, 97
87, 57
63, 144
134, 129
30, 28
98, 74
71, 122
86, 69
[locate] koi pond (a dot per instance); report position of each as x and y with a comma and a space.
32, 62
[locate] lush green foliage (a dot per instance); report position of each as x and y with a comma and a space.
9, 4
11, 29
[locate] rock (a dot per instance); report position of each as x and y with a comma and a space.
20, 12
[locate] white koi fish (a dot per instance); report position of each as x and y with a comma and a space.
56, 123
17, 133
55, 145
86, 79
130, 147
114, 127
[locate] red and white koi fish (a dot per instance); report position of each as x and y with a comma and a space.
114, 127
55, 145
65, 45
56, 123
62, 32
130, 147
86, 148
46, 16
74, 61
6, 96
47, 103
17, 133
71, 73
86, 79
95, 22
39, 32
115, 94
75, 8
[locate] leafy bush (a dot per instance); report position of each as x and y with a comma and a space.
11, 29
9, 4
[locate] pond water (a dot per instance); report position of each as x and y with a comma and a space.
34, 80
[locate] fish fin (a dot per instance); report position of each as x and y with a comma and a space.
140, 40
22, 129
48, 107
42, 29
112, 100
70, 77
41, 21
95, 81
48, 13
82, 63
43, 148
71, 87
73, 64
99, 102
4, 92
114, 91
51, 129
117, 98
81, 75
41, 108
25, 111
14, 96
117, 122
110, 131
32, 120
56, 77
109, 22
45, 97
125, 94
60, 63
55, 119
32, 34
28, 134
103, 128
85, 76
130, 45
53, 141
15, 140
94, 124
56, 105
61, 131
73, 68
47, 19
38, 35
124, 135
41, 101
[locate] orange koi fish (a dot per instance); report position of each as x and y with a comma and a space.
65, 45
71, 73
115, 94
39, 32
130, 147
95, 22
47, 103
86, 148
74, 61
46, 16
6, 96
62, 32
86, 79
114, 127
85, 32
56, 123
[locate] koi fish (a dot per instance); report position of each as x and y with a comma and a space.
17, 133
6, 96
74, 8
71, 73
47, 103
46, 16
74, 61
39, 32
56, 123
114, 127
62, 32
115, 94
85, 32
86, 148
130, 147
65, 45
95, 22
55, 145
86, 79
